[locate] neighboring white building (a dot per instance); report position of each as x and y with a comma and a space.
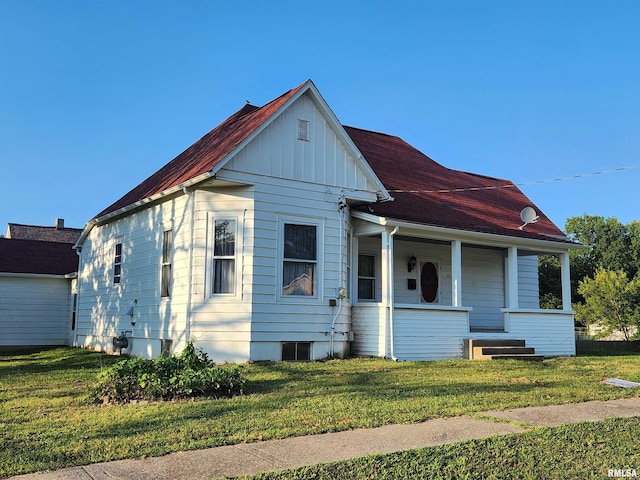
282, 234
37, 285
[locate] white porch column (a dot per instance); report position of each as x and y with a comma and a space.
566, 281
456, 273
386, 278
385, 270
512, 279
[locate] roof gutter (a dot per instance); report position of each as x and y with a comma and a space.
491, 239
140, 203
35, 275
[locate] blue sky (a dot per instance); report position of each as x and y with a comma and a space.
97, 95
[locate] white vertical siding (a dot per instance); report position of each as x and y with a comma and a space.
323, 159
34, 310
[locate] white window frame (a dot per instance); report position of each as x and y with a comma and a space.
114, 262
296, 359
375, 278
211, 257
164, 262
319, 269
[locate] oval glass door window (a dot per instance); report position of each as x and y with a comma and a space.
429, 282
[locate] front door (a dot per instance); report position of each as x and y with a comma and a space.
429, 282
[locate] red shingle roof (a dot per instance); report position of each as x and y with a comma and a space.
410, 175
33, 256
484, 205
206, 153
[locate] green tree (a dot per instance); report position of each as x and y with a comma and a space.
549, 275
611, 245
612, 303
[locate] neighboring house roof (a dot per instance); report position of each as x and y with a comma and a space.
44, 234
37, 257
477, 203
428, 193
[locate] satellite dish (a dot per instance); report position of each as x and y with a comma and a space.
528, 215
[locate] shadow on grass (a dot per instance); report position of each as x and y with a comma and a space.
52, 359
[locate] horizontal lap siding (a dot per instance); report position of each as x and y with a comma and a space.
369, 323
429, 334
483, 286
424, 252
103, 306
34, 311
549, 333
528, 286
221, 324
296, 319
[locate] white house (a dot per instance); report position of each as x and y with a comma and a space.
37, 285
282, 234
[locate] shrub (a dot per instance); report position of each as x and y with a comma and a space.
191, 374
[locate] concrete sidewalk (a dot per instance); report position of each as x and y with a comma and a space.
272, 455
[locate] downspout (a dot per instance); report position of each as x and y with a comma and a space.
77, 306
342, 292
391, 294
187, 328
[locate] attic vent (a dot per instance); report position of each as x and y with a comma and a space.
303, 130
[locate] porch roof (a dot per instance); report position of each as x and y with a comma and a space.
427, 193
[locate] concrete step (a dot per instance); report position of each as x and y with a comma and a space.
496, 349
525, 357
489, 342
504, 350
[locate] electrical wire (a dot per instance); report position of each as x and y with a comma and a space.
512, 185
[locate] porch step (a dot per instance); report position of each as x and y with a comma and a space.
499, 349
520, 356
491, 351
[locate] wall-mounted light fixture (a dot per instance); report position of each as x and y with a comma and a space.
412, 262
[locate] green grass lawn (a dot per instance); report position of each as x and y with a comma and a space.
46, 423
582, 451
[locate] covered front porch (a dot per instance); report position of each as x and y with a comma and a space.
422, 291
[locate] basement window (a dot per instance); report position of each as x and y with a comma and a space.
303, 130
296, 351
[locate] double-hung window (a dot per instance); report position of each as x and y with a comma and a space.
165, 269
224, 256
300, 259
117, 264
366, 277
